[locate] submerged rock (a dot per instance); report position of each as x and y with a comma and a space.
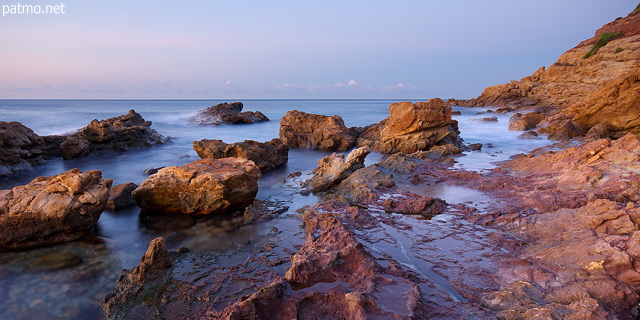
52, 210
313, 131
204, 186
267, 156
227, 113
413, 127
22, 148
117, 134
335, 168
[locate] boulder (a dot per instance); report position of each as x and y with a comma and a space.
527, 121
52, 210
335, 168
21, 148
413, 127
314, 131
120, 196
267, 156
117, 134
206, 186
415, 204
227, 113
361, 186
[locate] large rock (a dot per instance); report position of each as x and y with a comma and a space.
527, 121
51, 210
120, 196
117, 134
204, 186
22, 148
413, 127
227, 113
313, 131
267, 156
335, 168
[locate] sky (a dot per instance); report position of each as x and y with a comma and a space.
349, 49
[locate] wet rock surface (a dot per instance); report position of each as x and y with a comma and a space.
52, 210
267, 156
413, 127
21, 148
116, 134
313, 131
334, 168
204, 186
227, 113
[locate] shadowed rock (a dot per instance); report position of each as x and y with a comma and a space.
51, 210
22, 148
120, 196
267, 156
227, 113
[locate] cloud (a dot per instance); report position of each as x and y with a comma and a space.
400, 86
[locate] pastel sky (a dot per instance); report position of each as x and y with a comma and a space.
287, 49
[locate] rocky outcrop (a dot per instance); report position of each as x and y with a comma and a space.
117, 134
227, 113
312, 131
527, 121
206, 186
52, 210
363, 185
267, 156
413, 127
120, 196
415, 204
335, 168
22, 148
588, 90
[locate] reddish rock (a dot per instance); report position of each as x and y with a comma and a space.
413, 127
117, 134
313, 131
52, 210
335, 168
120, 196
527, 121
415, 204
204, 186
267, 156
227, 113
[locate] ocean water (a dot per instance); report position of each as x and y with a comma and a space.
75, 292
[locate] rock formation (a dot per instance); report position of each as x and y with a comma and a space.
267, 156
413, 127
335, 168
586, 90
227, 113
22, 148
120, 196
117, 134
52, 210
206, 186
313, 131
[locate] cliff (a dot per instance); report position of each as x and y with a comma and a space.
596, 82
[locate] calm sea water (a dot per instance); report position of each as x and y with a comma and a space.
27, 290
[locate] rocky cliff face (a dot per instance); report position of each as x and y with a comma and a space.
599, 89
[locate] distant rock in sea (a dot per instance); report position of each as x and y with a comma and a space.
227, 113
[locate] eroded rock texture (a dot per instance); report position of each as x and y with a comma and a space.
52, 210
22, 148
267, 156
313, 131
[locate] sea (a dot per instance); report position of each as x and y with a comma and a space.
31, 286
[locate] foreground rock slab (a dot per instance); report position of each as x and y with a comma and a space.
413, 127
227, 113
313, 131
204, 186
117, 134
267, 156
52, 210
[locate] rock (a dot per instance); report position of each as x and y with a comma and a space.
415, 204
599, 131
150, 171
313, 131
361, 185
206, 186
267, 156
120, 196
227, 113
487, 119
529, 135
54, 261
52, 210
21, 148
562, 129
527, 121
473, 147
412, 127
335, 168
456, 113
117, 134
